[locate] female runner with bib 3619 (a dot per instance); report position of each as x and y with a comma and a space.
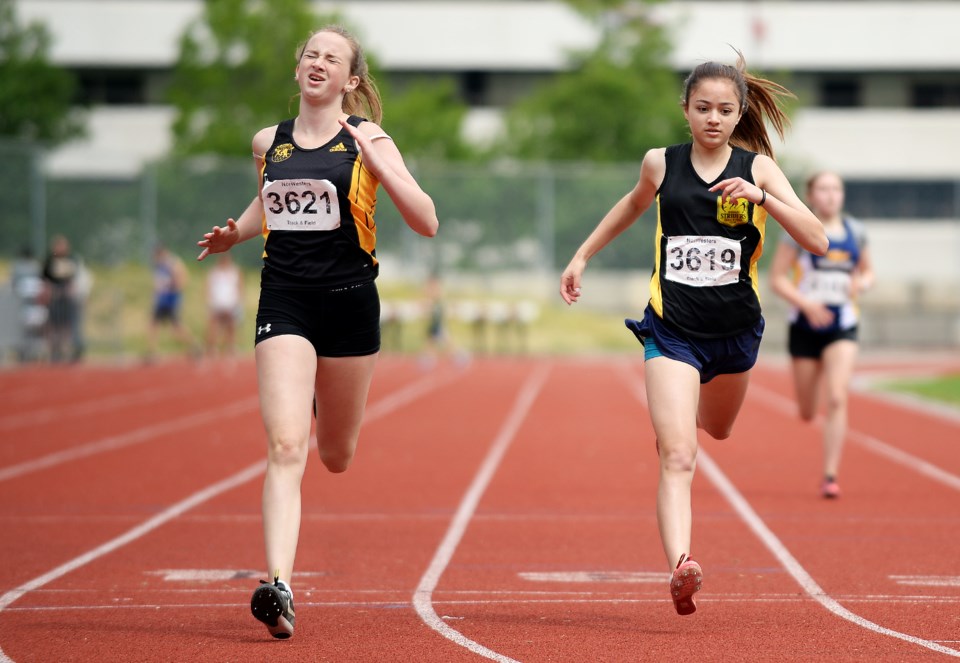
318, 322
701, 330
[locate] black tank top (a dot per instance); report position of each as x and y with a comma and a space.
705, 269
319, 205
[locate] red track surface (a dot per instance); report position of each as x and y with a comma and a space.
513, 498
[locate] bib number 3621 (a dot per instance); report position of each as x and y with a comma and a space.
702, 261
301, 205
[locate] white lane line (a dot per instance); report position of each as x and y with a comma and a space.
789, 562
918, 465
651, 577
148, 432
127, 439
927, 581
793, 567
109, 403
375, 411
561, 598
423, 595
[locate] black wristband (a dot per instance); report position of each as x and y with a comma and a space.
763, 198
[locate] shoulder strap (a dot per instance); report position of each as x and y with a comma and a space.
284, 131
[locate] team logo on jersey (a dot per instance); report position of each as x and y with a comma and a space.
839, 258
339, 147
281, 152
734, 212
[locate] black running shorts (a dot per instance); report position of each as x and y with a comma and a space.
805, 343
339, 322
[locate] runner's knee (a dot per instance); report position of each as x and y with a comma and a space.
677, 459
287, 450
336, 461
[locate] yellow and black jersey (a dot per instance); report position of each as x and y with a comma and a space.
318, 204
704, 279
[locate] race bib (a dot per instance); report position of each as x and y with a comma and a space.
700, 261
301, 205
827, 286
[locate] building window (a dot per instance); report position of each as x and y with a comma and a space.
474, 87
840, 93
111, 87
935, 95
879, 199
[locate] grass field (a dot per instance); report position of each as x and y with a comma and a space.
945, 389
118, 315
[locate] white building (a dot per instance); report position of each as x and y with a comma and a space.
878, 82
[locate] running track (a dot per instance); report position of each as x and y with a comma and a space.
502, 511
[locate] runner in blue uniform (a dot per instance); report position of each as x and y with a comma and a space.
701, 330
824, 317
318, 321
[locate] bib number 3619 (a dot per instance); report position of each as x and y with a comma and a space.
301, 205
702, 261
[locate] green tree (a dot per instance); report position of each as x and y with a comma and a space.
36, 96
426, 119
235, 72
234, 76
613, 104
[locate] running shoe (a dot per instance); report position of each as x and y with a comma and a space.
685, 582
830, 489
272, 604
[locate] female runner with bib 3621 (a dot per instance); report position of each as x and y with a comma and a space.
318, 322
701, 330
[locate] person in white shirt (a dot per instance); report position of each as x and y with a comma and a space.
224, 306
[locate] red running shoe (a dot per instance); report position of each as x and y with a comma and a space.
830, 489
685, 582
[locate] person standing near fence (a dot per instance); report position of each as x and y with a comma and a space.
824, 317
701, 330
224, 305
60, 272
318, 323
169, 282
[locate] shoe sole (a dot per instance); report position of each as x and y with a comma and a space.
686, 581
267, 606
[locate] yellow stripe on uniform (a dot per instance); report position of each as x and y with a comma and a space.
760, 222
363, 203
656, 296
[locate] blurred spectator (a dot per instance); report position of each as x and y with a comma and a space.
28, 288
169, 280
60, 271
438, 342
82, 286
224, 305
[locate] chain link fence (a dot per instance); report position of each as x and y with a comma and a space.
493, 217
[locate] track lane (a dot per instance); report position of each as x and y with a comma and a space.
750, 603
364, 501
569, 495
